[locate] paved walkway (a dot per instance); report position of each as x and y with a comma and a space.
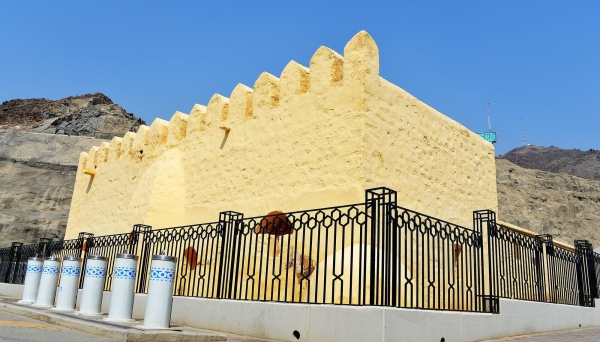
579, 335
17, 328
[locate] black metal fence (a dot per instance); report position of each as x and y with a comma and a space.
8, 256
563, 274
13, 261
371, 253
440, 264
531, 267
516, 264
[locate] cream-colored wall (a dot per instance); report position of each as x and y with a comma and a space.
314, 137
437, 166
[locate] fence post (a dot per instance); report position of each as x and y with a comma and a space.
83, 237
379, 204
540, 268
484, 222
141, 235
586, 274
547, 244
43, 250
230, 223
596, 261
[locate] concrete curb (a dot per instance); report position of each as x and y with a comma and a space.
111, 330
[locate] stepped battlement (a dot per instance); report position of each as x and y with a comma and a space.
328, 72
308, 138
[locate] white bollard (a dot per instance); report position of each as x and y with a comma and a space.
160, 292
47, 288
69, 284
121, 300
32, 280
93, 286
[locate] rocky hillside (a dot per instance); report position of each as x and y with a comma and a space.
93, 115
565, 206
584, 164
37, 176
34, 201
40, 142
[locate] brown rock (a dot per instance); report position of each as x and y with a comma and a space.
93, 115
584, 164
565, 206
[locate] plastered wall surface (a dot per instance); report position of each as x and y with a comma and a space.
313, 137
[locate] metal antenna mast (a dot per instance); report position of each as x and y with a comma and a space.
489, 135
523, 132
489, 119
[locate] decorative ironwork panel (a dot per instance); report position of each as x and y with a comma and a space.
314, 256
61, 249
516, 264
198, 251
562, 274
440, 264
109, 246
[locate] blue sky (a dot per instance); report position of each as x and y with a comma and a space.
536, 60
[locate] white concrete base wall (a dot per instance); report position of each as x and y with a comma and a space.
278, 321
11, 290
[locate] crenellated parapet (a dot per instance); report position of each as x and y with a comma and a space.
311, 137
91, 163
328, 69
114, 150
177, 128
